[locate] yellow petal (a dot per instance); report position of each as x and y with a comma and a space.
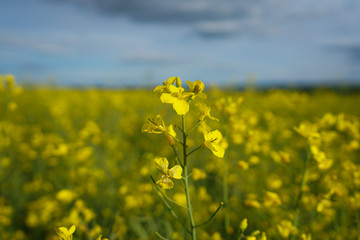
174, 89
161, 163
165, 183
190, 84
167, 98
171, 131
175, 172
196, 87
214, 136
63, 232
181, 107
218, 151
170, 81
158, 88
72, 229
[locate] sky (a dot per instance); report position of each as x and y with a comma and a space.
144, 42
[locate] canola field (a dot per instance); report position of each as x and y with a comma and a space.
182, 160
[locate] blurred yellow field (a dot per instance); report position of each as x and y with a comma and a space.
122, 164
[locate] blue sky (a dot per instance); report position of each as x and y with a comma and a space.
143, 42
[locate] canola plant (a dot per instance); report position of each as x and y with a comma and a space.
182, 161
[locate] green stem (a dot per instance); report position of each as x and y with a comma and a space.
301, 192
193, 151
241, 236
168, 198
161, 237
194, 127
177, 156
168, 206
186, 180
225, 193
211, 217
226, 197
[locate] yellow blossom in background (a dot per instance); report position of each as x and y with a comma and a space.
73, 156
286, 228
251, 201
271, 199
263, 236
66, 234
251, 238
165, 180
216, 236
10, 81
244, 224
95, 231
274, 181
254, 160
198, 174
66, 196
180, 198
6, 213
305, 236
309, 132
243, 165
212, 141
100, 238
320, 157
323, 205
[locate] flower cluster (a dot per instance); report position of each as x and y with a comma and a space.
172, 92
177, 96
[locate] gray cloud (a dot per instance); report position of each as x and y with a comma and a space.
352, 51
208, 18
226, 18
171, 11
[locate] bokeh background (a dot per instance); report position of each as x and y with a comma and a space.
76, 80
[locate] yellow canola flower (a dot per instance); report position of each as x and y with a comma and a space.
66, 234
178, 98
205, 112
165, 180
197, 88
157, 125
168, 85
212, 142
174, 95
